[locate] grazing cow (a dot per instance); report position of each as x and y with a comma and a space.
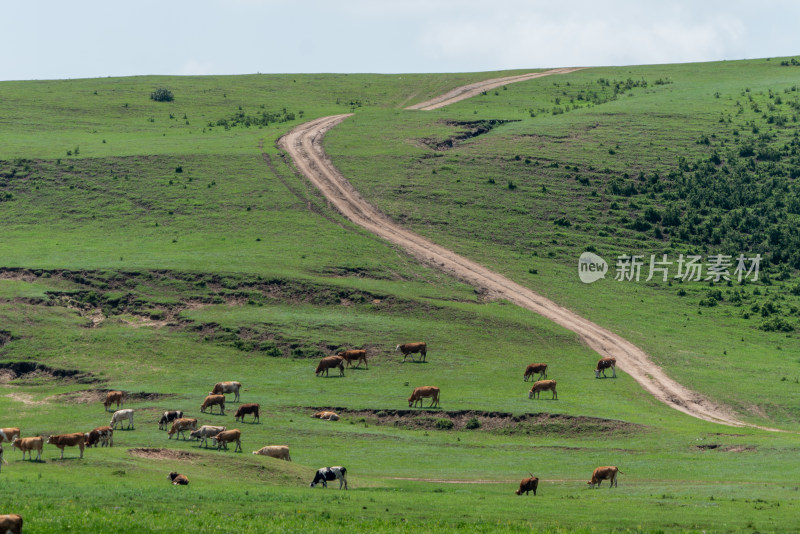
221, 388
328, 362
422, 392
281, 452
326, 474
412, 348
359, 355
205, 432
605, 473
329, 416
245, 409
8, 434
114, 397
528, 484
102, 434
11, 524
76, 439
168, 417
2, 460
604, 364
543, 385
181, 425
119, 416
534, 368
177, 479
30, 445
211, 401
228, 436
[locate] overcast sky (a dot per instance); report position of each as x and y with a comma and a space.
45, 39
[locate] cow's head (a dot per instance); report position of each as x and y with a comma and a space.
318, 477
530, 394
410, 401
172, 476
597, 373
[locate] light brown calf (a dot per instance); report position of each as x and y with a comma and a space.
8, 434
423, 392
76, 439
281, 452
29, 445
114, 397
228, 436
179, 426
329, 416
543, 385
605, 473
359, 355
214, 400
329, 362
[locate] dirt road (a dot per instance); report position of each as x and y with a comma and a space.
304, 145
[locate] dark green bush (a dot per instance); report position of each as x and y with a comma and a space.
162, 95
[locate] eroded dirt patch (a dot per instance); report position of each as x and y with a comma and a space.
467, 130
89, 396
503, 422
33, 372
163, 454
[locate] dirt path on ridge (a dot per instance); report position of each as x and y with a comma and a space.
304, 145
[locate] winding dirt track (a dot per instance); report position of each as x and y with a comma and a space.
304, 145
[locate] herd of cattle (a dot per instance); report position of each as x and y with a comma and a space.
221, 436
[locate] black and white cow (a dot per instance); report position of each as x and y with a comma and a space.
330, 473
169, 417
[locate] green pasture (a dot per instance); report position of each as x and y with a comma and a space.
177, 247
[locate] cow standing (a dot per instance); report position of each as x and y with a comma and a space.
424, 392
413, 348
604, 364
8, 434
359, 355
2, 460
534, 368
104, 435
120, 416
605, 473
221, 388
528, 484
543, 385
112, 397
168, 417
325, 364
229, 436
76, 439
29, 445
211, 401
205, 432
179, 426
245, 409
327, 474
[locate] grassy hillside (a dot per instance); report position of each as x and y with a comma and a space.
159, 247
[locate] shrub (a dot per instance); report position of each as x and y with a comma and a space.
162, 95
444, 424
473, 424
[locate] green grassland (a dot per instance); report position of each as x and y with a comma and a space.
177, 247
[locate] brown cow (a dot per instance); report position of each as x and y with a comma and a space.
281, 452
359, 355
543, 385
411, 348
228, 436
604, 364
177, 479
422, 392
328, 362
114, 396
605, 473
2, 460
528, 484
76, 439
102, 434
214, 400
221, 388
534, 368
8, 434
181, 425
30, 445
245, 409
11, 524
329, 416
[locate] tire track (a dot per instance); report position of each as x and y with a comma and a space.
304, 145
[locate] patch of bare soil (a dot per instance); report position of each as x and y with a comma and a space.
502, 422
163, 454
32, 372
24, 398
725, 448
89, 396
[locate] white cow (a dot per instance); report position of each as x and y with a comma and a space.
205, 432
119, 416
281, 452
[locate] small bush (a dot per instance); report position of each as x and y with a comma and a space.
162, 95
473, 424
444, 424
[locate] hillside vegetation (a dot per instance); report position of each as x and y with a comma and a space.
161, 246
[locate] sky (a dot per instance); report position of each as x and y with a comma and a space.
54, 39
